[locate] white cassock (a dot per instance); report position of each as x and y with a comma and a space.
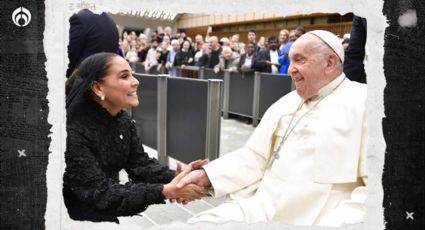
320, 175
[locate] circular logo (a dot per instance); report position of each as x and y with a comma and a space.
21, 17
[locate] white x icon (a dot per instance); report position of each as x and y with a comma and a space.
409, 215
22, 153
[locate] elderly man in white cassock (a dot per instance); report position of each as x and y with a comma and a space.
305, 162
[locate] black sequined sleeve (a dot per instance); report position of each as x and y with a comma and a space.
142, 168
85, 178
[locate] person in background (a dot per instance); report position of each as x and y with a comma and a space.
245, 64
229, 60
182, 37
224, 42
167, 39
267, 60
172, 70
283, 38
252, 38
234, 38
355, 54
151, 57
131, 55
299, 31
203, 55
211, 59
102, 140
284, 53
159, 33
90, 33
162, 57
184, 57
168, 31
208, 34
199, 53
199, 39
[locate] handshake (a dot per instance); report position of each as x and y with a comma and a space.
189, 184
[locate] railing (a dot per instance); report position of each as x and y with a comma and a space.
248, 94
180, 117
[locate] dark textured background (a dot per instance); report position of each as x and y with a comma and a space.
403, 126
23, 118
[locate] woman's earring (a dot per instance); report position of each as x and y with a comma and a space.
102, 97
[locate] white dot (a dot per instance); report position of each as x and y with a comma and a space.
408, 19
121, 137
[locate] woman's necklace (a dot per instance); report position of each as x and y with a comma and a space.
289, 130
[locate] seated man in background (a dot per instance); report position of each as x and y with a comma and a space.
305, 162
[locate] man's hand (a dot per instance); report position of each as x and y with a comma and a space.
199, 163
187, 193
198, 177
194, 165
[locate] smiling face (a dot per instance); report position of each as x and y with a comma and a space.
273, 44
308, 66
283, 36
186, 46
118, 87
250, 48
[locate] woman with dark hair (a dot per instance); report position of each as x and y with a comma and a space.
102, 140
185, 56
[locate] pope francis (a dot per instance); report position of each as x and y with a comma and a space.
305, 162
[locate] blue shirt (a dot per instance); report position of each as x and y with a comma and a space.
284, 59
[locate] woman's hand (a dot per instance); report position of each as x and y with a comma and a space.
187, 193
195, 165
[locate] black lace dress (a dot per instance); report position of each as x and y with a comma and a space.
98, 147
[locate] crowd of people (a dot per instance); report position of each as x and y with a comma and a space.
165, 51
